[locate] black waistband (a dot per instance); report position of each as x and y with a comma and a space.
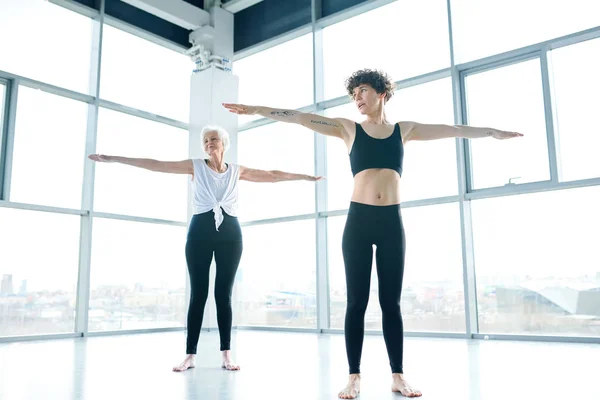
361, 207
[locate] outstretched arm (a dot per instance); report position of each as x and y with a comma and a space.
173, 167
416, 131
259, 175
326, 126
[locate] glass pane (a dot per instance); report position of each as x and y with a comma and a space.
276, 281
371, 41
281, 76
277, 146
429, 166
432, 294
538, 263
340, 181
46, 42
480, 27
123, 189
576, 84
144, 75
39, 257
138, 276
508, 98
49, 149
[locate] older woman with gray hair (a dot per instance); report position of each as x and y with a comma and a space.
214, 229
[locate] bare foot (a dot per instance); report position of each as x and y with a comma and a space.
352, 389
227, 363
189, 362
400, 385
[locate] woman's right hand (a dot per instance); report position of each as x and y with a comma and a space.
100, 158
241, 109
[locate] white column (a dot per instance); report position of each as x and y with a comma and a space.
209, 89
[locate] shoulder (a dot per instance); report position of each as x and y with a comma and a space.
407, 129
347, 124
236, 168
348, 128
197, 165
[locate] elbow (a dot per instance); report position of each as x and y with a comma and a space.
303, 119
154, 166
157, 166
275, 176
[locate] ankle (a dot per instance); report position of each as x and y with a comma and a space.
354, 377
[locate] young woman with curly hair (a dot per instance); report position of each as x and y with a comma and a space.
376, 150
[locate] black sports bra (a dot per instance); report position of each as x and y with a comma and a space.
368, 152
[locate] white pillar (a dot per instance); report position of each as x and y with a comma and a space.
209, 89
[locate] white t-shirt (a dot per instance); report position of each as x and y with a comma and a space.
215, 191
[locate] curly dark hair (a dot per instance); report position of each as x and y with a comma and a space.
378, 80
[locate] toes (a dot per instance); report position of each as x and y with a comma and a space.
345, 394
182, 367
411, 393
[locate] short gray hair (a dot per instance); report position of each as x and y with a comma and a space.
223, 135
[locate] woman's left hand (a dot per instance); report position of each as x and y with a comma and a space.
501, 135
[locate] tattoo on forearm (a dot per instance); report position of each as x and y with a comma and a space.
324, 123
284, 113
489, 133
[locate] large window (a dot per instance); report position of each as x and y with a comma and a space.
143, 75
42, 41
138, 276
432, 296
277, 146
429, 166
280, 77
387, 38
576, 80
48, 150
508, 98
39, 255
123, 189
276, 281
538, 263
536, 257
484, 28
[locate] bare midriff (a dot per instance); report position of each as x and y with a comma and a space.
377, 187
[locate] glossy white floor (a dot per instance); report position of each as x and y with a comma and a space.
279, 365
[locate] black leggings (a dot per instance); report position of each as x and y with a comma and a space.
380, 226
202, 241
